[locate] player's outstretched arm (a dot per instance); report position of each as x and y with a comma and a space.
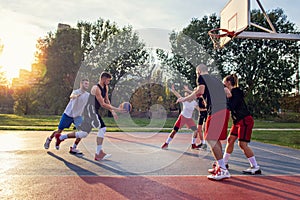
175, 92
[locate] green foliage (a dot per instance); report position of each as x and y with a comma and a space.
61, 54
265, 67
290, 103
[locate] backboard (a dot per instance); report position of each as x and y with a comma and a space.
235, 16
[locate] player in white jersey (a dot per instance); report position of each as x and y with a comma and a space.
185, 118
72, 114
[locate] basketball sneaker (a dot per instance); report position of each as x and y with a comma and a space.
47, 143
194, 146
58, 141
102, 156
252, 170
214, 168
74, 151
164, 146
219, 175
204, 146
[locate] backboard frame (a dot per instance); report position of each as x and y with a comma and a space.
238, 12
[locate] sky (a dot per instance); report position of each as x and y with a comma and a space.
22, 22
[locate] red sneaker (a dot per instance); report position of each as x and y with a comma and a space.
102, 156
194, 146
164, 146
58, 141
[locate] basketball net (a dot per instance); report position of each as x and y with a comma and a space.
217, 34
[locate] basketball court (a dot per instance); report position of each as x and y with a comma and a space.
138, 169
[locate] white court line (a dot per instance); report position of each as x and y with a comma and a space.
280, 154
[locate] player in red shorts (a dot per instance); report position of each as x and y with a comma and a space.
185, 118
213, 92
242, 125
201, 119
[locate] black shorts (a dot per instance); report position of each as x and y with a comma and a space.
202, 117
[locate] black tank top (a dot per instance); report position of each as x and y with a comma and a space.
103, 94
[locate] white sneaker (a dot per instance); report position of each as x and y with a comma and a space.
47, 143
252, 170
219, 175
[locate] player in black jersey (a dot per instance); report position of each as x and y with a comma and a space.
242, 125
91, 118
213, 92
100, 91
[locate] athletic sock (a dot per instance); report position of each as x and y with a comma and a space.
169, 140
63, 137
221, 163
226, 157
99, 148
252, 161
74, 146
203, 141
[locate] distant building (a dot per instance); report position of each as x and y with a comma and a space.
28, 77
63, 26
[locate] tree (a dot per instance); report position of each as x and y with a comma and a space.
6, 101
265, 67
116, 50
61, 53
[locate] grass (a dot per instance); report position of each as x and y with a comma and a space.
50, 123
286, 138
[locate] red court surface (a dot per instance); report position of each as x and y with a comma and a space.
138, 169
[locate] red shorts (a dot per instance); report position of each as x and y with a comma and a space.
181, 121
243, 129
216, 125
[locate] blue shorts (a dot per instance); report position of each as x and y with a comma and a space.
66, 121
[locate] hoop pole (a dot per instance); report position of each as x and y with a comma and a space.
266, 16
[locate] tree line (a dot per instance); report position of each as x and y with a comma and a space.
266, 68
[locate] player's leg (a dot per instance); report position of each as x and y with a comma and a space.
191, 125
244, 135
173, 132
214, 133
65, 122
100, 155
204, 145
73, 149
230, 144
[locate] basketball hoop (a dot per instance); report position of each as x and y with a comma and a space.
217, 34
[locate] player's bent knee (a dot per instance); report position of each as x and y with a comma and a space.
101, 132
81, 134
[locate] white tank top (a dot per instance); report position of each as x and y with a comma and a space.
75, 106
188, 108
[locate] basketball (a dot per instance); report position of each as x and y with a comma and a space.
126, 106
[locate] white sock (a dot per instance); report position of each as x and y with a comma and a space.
169, 140
226, 157
221, 163
203, 141
193, 140
63, 137
99, 148
74, 146
252, 161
